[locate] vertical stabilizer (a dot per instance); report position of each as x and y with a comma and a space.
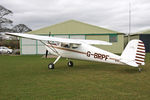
134, 53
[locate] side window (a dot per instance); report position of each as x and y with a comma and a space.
66, 45
74, 46
53, 43
112, 38
5, 48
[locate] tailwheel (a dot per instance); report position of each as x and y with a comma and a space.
51, 66
140, 69
70, 64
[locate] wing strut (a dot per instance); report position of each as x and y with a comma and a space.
53, 49
51, 65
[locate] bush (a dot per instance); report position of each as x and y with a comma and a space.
13, 44
16, 51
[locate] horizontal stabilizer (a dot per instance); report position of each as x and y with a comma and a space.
130, 63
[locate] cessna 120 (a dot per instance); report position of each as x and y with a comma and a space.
133, 55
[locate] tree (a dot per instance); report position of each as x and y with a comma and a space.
4, 22
21, 28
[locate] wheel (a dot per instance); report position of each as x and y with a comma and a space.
70, 64
140, 69
51, 66
8, 52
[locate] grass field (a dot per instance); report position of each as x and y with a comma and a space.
28, 78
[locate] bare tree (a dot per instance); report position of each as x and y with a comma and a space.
21, 28
4, 22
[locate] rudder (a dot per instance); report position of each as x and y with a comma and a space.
134, 53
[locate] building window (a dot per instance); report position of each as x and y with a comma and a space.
112, 38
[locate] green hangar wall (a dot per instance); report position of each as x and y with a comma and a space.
74, 30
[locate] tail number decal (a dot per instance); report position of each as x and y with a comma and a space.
98, 55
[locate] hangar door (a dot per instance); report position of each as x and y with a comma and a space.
146, 39
28, 46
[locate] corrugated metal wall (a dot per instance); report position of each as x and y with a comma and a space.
29, 46
116, 47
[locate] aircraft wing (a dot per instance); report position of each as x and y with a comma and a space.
47, 38
43, 38
95, 42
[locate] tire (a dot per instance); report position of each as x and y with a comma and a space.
70, 64
8, 52
51, 66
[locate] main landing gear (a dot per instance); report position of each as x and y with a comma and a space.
51, 65
70, 64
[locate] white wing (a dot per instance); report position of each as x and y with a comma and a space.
96, 42
47, 38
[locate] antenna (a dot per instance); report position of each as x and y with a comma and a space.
129, 21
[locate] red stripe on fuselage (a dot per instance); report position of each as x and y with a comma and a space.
138, 63
67, 49
140, 54
141, 45
140, 51
139, 57
141, 48
139, 60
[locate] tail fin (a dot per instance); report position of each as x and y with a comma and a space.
134, 53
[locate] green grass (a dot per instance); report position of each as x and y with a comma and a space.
28, 78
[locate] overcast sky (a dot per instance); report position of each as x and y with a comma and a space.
111, 14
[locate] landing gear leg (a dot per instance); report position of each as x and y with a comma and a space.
51, 65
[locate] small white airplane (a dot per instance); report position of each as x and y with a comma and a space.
133, 55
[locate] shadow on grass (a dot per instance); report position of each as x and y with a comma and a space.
131, 70
95, 66
80, 65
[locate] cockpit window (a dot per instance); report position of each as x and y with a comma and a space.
66, 45
53, 43
69, 45
74, 46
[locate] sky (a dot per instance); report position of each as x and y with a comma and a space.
110, 14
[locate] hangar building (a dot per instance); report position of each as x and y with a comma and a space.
74, 30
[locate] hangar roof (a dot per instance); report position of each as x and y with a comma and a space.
143, 32
73, 27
